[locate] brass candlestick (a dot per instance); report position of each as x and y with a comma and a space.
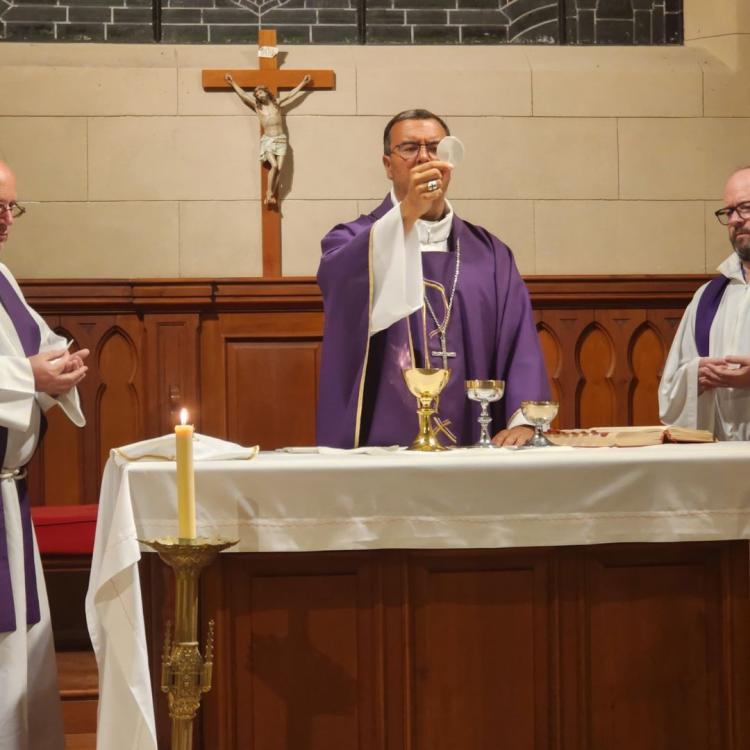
185, 674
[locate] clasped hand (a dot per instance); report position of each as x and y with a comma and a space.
58, 371
723, 372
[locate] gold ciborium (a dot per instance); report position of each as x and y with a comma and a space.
485, 391
540, 414
426, 384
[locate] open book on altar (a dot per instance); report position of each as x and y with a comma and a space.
627, 437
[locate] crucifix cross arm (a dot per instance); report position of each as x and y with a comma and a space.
273, 80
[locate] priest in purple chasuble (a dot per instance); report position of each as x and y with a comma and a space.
36, 373
413, 285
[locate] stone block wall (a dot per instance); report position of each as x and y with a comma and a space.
584, 159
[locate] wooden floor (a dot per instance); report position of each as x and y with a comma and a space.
79, 692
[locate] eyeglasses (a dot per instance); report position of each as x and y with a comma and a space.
724, 215
15, 209
410, 149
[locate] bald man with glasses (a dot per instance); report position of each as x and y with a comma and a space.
37, 372
706, 380
413, 285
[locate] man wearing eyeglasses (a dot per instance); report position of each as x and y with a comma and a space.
706, 380
36, 372
413, 285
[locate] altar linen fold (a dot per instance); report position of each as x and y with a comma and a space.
163, 448
372, 450
114, 611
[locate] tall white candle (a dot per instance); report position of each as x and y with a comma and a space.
185, 478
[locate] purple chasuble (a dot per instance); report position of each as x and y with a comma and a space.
363, 399
707, 308
30, 336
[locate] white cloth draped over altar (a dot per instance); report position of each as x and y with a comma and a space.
337, 500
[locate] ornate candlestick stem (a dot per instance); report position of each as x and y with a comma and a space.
185, 674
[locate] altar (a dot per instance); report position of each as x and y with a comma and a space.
567, 598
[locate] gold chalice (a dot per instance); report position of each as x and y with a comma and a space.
540, 414
484, 391
426, 384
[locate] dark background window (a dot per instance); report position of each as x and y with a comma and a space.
346, 21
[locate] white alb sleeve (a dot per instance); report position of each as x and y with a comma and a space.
397, 271
679, 402
16, 393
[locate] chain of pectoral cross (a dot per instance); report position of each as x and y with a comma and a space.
442, 328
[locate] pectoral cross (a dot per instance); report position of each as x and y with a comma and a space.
273, 79
444, 353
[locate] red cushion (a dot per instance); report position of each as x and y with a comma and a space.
65, 529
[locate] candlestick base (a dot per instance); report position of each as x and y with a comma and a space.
185, 674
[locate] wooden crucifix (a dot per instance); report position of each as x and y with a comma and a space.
269, 76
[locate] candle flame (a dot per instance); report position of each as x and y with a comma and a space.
183, 416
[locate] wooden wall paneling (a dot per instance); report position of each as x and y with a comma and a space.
482, 672
571, 637
565, 328
213, 416
299, 663
647, 354
118, 415
66, 579
58, 467
398, 708
579, 648
86, 332
653, 650
553, 358
172, 370
621, 326
596, 398
260, 379
736, 643
666, 321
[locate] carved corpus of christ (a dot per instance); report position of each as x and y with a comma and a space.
273, 139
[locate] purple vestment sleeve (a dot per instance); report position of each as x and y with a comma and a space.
344, 279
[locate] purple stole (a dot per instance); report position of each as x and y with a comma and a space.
30, 336
707, 307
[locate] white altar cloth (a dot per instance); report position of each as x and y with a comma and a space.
334, 501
